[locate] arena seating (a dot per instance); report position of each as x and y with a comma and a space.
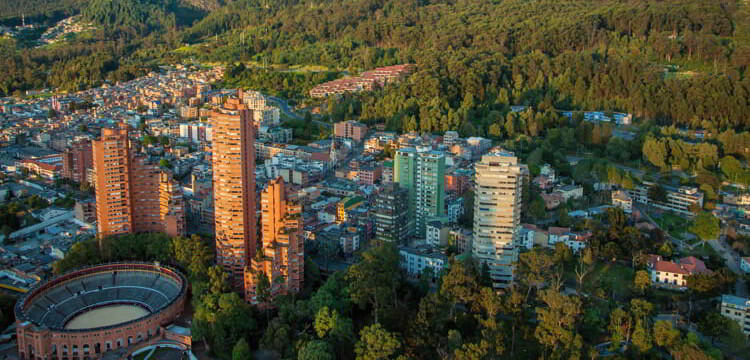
63, 301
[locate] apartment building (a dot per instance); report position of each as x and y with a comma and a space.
132, 193
422, 174
351, 129
737, 309
234, 188
196, 132
497, 214
77, 158
680, 200
391, 211
282, 256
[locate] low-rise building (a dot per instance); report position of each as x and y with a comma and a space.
347, 204
568, 192
674, 274
682, 200
437, 233
737, 309
461, 239
415, 260
622, 200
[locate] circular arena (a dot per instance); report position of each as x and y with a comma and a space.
85, 313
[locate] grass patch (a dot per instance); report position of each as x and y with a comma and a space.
607, 278
672, 224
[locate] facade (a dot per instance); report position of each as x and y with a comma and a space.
347, 204
416, 260
450, 137
77, 159
45, 170
437, 233
462, 239
679, 200
43, 313
132, 193
497, 214
351, 129
674, 274
422, 174
737, 309
391, 212
196, 132
622, 200
234, 188
282, 257
85, 211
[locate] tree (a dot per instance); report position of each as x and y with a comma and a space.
164, 163
373, 280
556, 330
705, 226
458, 286
329, 324
641, 337
278, 338
657, 193
241, 350
375, 343
584, 265
664, 335
535, 268
315, 350
642, 281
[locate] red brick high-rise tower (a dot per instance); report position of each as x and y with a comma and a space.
281, 259
234, 188
132, 193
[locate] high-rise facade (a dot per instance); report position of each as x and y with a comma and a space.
281, 259
112, 182
497, 214
391, 214
422, 175
132, 193
78, 158
234, 188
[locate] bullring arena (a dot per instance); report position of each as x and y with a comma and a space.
90, 312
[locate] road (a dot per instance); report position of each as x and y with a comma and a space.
289, 111
732, 262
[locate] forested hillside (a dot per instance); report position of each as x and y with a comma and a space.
44, 11
679, 62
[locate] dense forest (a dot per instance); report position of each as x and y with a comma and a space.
679, 62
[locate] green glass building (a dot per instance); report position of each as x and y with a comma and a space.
422, 175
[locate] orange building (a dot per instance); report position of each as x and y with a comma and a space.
282, 257
132, 193
234, 188
76, 160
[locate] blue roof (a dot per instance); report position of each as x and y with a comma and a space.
735, 300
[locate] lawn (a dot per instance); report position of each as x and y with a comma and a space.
673, 224
607, 278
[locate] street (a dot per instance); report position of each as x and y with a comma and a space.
288, 111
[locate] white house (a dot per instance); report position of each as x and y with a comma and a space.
415, 260
674, 274
622, 200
